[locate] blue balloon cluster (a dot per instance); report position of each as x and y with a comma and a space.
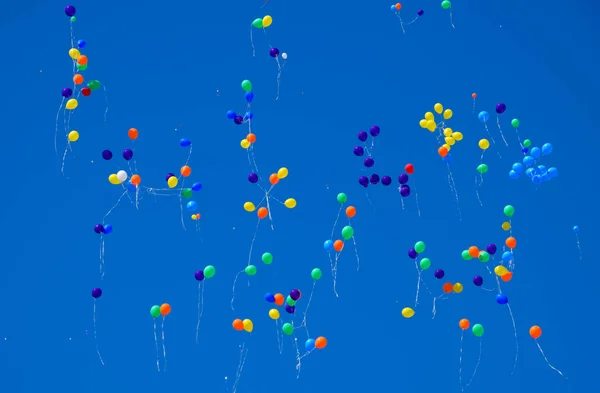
537, 173
239, 119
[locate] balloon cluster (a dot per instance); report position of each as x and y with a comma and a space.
241, 119
450, 136
267, 259
274, 52
208, 272
537, 173
263, 212
484, 256
262, 23
101, 229
403, 180
347, 233
278, 299
369, 162
397, 7
477, 329
164, 310
246, 325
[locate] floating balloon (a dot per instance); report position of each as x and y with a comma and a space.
408, 312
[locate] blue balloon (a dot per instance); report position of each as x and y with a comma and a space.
553, 172
542, 169
535, 152
513, 175
528, 160
249, 96
184, 142
546, 177
270, 297
393, 8
529, 172
107, 229
192, 206
501, 298
483, 116
328, 245
525, 150
309, 345
546, 149
576, 229
81, 44
231, 115
196, 186
248, 115
518, 167
537, 179
507, 256
130, 187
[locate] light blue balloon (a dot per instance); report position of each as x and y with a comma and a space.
575, 228
528, 160
328, 245
542, 169
507, 256
553, 172
393, 8
535, 152
537, 179
483, 116
513, 175
248, 115
518, 167
309, 344
192, 206
107, 229
546, 177
529, 172
546, 149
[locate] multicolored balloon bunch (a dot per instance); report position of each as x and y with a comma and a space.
241, 119
404, 188
537, 173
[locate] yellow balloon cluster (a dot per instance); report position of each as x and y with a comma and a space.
450, 136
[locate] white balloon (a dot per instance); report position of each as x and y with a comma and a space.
284, 56
122, 176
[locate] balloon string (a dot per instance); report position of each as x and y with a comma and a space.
252, 42
233, 289
240, 367
453, 190
478, 361
418, 284
56, 128
200, 307
548, 362
512, 318
156, 344
333, 273
460, 359
451, 22
96, 336
500, 129
279, 336
101, 256
306, 309
401, 22
163, 344
579, 247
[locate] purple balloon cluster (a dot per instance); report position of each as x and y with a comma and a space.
101, 229
127, 154
369, 162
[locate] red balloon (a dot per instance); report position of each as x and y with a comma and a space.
86, 91
409, 168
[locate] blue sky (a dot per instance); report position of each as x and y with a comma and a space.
173, 71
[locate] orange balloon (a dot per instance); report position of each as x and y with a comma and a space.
82, 60
238, 324
338, 245
442, 151
262, 212
132, 134
464, 324
447, 288
474, 95
136, 180
474, 252
398, 6
350, 211
197, 216
274, 179
165, 309
251, 138
185, 171
511, 242
321, 342
279, 299
506, 277
78, 79
535, 332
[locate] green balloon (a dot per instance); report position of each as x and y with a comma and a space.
478, 330
291, 302
73, 19
509, 210
82, 67
484, 256
94, 84
515, 123
466, 256
527, 143
425, 263
446, 4
347, 232
316, 273
155, 311
257, 23
186, 193
267, 258
419, 247
250, 270
482, 168
209, 271
247, 85
288, 328
342, 198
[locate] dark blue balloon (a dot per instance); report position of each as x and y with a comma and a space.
362, 136
412, 254
196, 186
369, 162
374, 178
253, 178
249, 96
81, 44
374, 131
403, 178
478, 280
107, 154
128, 154
290, 309
199, 275
501, 298
363, 181
108, 229
404, 190
231, 115
67, 92
184, 142
169, 175
270, 297
386, 180
359, 151
238, 120
96, 293
99, 228
525, 149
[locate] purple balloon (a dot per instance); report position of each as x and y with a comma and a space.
199, 275
439, 273
374, 178
359, 151
363, 181
369, 162
290, 309
386, 180
168, 176
238, 120
67, 92
96, 293
478, 280
99, 229
491, 248
253, 178
420, 12
295, 294
274, 52
412, 254
362, 136
500, 108
128, 154
375, 131
403, 178
107, 154
70, 10
404, 190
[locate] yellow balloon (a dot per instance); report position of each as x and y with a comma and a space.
193, 216
438, 108
484, 144
282, 173
274, 313
447, 131
249, 206
449, 140
423, 123
245, 144
458, 136
448, 114
428, 116
447, 146
290, 203
500, 270
457, 287
267, 21
172, 182
431, 126
248, 325
408, 312
506, 225
113, 179
73, 136
71, 104
74, 53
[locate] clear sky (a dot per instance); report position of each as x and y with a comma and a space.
172, 70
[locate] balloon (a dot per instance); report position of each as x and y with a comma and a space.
420, 247
71, 104
238, 324
477, 330
328, 245
127, 154
262, 212
457, 136
284, 56
165, 309
113, 179
267, 20
274, 313
350, 211
94, 84
67, 92
408, 312
482, 168
509, 210
457, 287
443, 151
267, 258
425, 263
249, 206
535, 332
273, 179
290, 203
321, 342
438, 108
359, 151
81, 44
447, 287
362, 136
500, 270
501, 298
507, 256
282, 173
70, 10
273, 52
412, 253
199, 275
374, 178
431, 126
108, 229
246, 85
507, 276
249, 96
466, 255
478, 280
374, 131
172, 182
78, 79
423, 123
546, 149
483, 116
279, 299
99, 229
74, 53
209, 271
420, 12
269, 297
96, 293
155, 311
403, 178
347, 232
295, 294
500, 108
316, 274
73, 136
474, 252
369, 162
576, 229
309, 345
192, 206
439, 273
515, 123
288, 328
464, 324
484, 144
342, 198
484, 256
338, 245
448, 114
185, 171
386, 180
446, 4
491, 248
511, 242
122, 176
248, 325
258, 23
